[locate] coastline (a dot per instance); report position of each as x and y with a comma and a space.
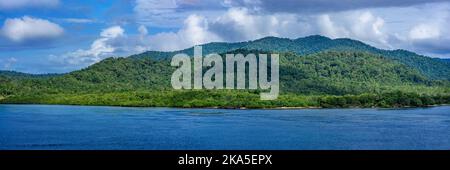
231, 108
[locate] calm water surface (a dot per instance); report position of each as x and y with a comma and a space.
88, 127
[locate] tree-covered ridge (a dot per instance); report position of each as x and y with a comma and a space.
327, 72
431, 67
322, 77
341, 73
309, 80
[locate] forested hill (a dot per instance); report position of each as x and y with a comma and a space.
326, 73
431, 67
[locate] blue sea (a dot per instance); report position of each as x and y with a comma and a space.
58, 127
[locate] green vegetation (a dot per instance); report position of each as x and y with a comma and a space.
430, 67
315, 71
232, 99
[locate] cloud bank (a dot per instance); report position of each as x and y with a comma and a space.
416, 25
99, 49
167, 25
243, 24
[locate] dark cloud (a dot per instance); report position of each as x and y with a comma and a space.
317, 6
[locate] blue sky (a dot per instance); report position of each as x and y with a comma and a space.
54, 36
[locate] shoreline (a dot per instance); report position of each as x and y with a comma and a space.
231, 108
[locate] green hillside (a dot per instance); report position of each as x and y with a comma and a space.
431, 67
315, 71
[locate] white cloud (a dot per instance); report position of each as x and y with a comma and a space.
241, 24
328, 27
112, 42
112, 32
360, 25
15, 4
194, 31
237, 24
28, 28
100, 48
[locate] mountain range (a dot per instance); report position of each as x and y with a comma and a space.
315, 71
432, 67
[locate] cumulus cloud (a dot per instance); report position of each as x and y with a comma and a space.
194, 31
28, 28
429, 35
112, 32
112, 42
408, 24
15, 4
241, 24
100, 48
237, 24
361, 25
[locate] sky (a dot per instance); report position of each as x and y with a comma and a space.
57, 36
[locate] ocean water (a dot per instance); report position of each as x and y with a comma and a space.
58, 127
